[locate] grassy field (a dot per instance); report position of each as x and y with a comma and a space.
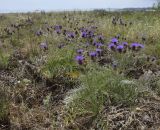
92, 70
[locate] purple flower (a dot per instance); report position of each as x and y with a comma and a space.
124, 44
57, 27
94, 42
98, 45
84, 34
134, 46
58, 31
112, 46
99, 51
80, 51
82, 29
93, 55
79, 59
120, 48
100, 37
140, 45
39, 33
43, 45
114, 40
71, 35
91, 34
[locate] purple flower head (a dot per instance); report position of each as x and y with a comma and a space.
82, 29
84, 34
114, 40
136, 46
133, 45
93, 55
112, 46
71, 35
60, 27
39, 33
57, 27
79, 59
99, 51
43, 45
120, 48
140, 45
98, 45
80, 51
100, 37
58, 31
91, 34
125, 44
94, 42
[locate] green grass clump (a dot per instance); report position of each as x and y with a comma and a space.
59, 62
4, 108
153, 50
100, 87
4, 59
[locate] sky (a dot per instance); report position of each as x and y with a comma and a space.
57, 5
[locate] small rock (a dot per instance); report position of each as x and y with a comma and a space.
138, 109
127, 82
146, 76
146, 118
26, 81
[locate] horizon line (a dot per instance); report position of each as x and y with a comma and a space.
66, 10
